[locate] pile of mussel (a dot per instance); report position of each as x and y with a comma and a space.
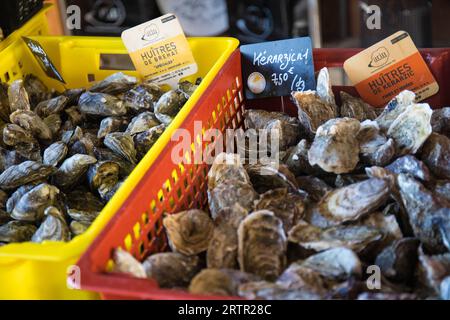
357, 208
64, 155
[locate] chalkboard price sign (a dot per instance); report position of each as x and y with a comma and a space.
276, 68
43, 59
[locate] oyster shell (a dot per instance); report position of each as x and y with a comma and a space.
103, 176
262, 245
289, 208
26, 172
228, 194
4, 217
55, 153
227, 166
74, 117
53, 228
394, 109
315, 187
16, 231
32, 204
354, 201
410, 165
356, 238
171, 269
296, 160
324, 89
433, 270
296, 277
223, 247
335, 147
115, 84
440, 121
4, 102
411, 129
37, 91
189, 232
145, 140
356, 108
312, 111
104, 154
142, 122
397, 262
436, 155
86, 217
51, 106
122, 144
187, 88
83, 201
231, 216
442, 189
23, 142
268, 177
139, 98
18, 96
125, 263
288, 128
72, 169
101, 104
54, 123
422, 206
168, 106
375, 148
111, 124
16, 195
274, 291
219, 282
77, 228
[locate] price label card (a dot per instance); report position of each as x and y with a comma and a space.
160, 51
277, 68
44, 60
382, 71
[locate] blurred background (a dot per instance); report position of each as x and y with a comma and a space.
337, 23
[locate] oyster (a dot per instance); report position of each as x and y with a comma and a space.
54, 227
139, 98
433, 270
171, 269
111, 124
344, 180
410, 165
228, 194
440, 121
77, 228
356, 108
397, 262
356, 238
394, 109
142, 122
262, 245
297, 161
84, 204
436, 155
168, 106
335, 147
103, 176
145, 140
51, 106
354, 201
37, 91
16, 231
72, 169
4, 102
108, 193
16, 195
375, 148
115, 84
324, 89
268, 177
24, 173
189, 232
314, 187
125, 263
54, 123
296, 277
422, 206
411, 129
287, 128
442, 189
55, 153
225, 167
445, 289
18, 96
231, 216
219, 282
122, 144
32, 204
223, 246
187, 88
74, 117
101, 104
274, 291
72, 136
31, 122
23, 142
289, 208
85, 217
104, 154
312, 111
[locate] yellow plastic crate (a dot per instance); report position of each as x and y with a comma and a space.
38, 271
36, 26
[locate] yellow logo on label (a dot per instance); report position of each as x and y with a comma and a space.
379, 58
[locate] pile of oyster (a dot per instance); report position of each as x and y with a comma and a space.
359, 208
63, 156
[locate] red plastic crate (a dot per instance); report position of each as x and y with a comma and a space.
168, 187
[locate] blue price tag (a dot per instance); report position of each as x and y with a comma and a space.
276, 68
